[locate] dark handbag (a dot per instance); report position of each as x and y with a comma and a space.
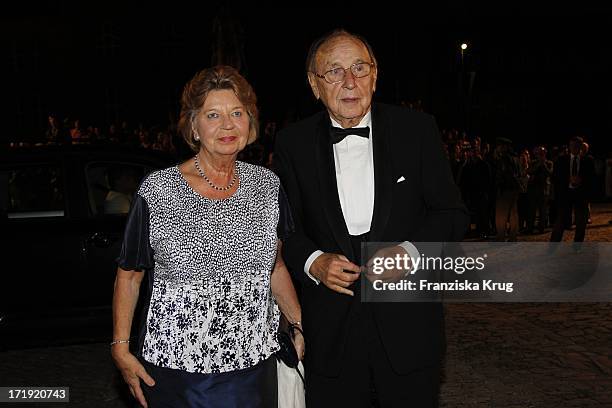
287, 353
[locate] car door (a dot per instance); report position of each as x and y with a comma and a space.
43, 253
111, 185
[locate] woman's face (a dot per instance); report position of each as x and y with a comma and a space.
222, 124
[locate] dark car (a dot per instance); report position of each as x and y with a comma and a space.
63, 211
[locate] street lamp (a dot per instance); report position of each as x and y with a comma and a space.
463, 47
463, 95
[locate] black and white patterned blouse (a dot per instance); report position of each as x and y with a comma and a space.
211, 309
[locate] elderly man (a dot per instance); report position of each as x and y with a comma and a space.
362, 172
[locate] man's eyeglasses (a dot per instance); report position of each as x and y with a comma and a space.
336, 75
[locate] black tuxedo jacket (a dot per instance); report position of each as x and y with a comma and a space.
424, 207
561, 177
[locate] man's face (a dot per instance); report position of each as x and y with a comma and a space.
584, 149
541, 153
347, 101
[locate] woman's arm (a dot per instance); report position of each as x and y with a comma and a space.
127, 288
286, 298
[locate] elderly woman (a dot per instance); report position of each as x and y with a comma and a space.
209, 231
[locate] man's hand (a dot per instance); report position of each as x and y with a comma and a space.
576, 181
399, 269
336, 272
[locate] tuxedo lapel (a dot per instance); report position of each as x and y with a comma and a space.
383, 174
326, 173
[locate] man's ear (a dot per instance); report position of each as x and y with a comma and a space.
312, 80
375, 73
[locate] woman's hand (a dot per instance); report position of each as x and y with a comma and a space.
299, 344
284, 292
132, 371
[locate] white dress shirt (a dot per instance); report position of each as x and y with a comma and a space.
354, 162
571, 163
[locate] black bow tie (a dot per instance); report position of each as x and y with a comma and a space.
338, 134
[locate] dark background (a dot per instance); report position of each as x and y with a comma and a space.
540, 73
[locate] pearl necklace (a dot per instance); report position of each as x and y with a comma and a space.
210, 183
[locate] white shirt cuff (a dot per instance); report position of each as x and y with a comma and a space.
309, 262
412, 251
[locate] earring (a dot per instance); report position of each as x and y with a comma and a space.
196, 137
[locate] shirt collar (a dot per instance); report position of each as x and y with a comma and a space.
365, 121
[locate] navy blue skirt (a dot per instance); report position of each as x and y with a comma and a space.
253, 387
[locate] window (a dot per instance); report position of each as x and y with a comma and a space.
111, 186
32, 192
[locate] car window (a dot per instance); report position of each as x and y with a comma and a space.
32, 191
111, 186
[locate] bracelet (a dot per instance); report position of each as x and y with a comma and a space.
112, 343
295, 326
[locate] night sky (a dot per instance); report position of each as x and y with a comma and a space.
539, 74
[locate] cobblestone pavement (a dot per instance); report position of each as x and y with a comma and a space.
502, 355
533, 354
528, 355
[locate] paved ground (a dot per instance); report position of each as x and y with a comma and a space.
528, 355
499, 355
532, 355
